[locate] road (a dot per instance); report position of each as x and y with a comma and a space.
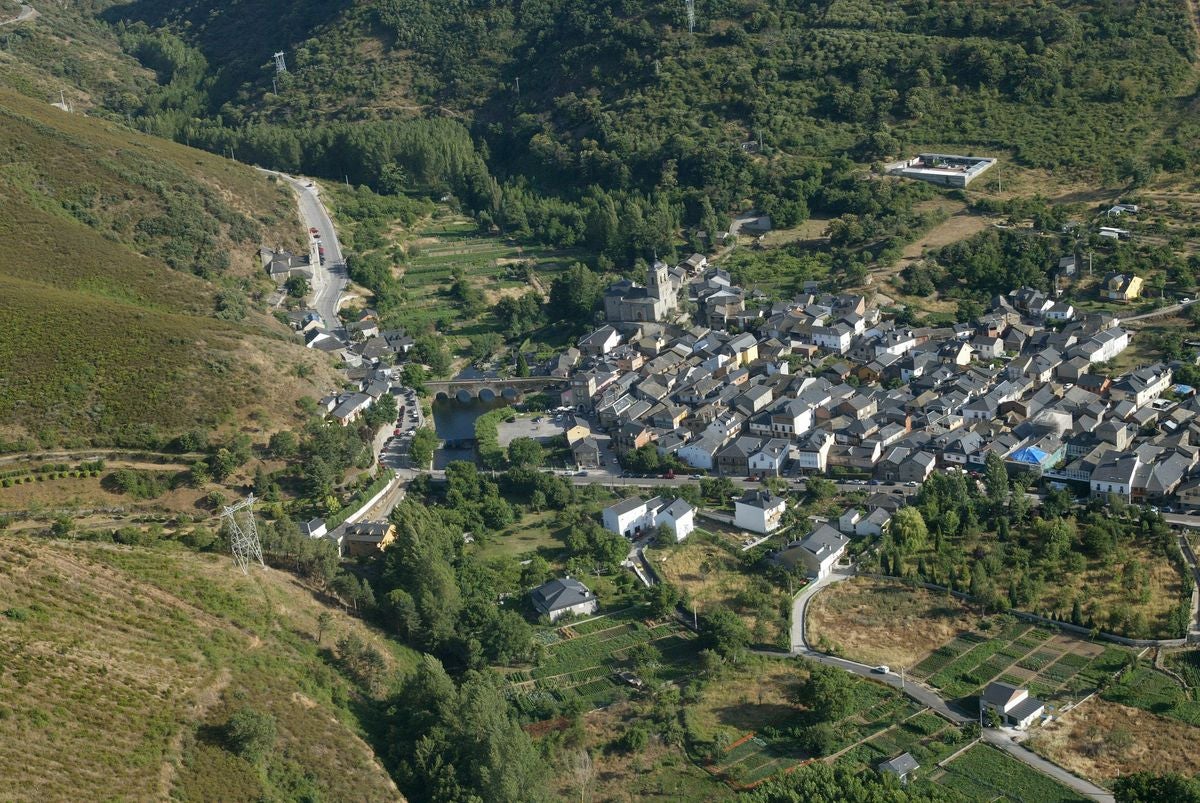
26, 13
330, 279
1170, 309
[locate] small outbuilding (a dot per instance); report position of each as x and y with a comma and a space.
901, 766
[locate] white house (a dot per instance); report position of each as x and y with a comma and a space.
791, 418
848, 520
630, 516
835, 338
758, 511
1012, 704
633, 516
770, 458
699, 453
1062, 311
1143, 385
566, 597
679, 516
1115, 476
1105, 345
821, 550
600, 342
813, 454
873, 524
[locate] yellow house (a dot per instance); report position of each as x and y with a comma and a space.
1121, 287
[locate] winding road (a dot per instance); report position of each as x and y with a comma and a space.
330, 279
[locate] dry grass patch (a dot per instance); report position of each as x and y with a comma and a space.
738, 707
1102, 740
878, 622
712, 577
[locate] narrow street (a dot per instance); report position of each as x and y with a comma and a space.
330, 279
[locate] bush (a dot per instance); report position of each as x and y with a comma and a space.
250, 734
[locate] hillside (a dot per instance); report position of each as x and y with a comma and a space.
122, 666
129, 281
613, 90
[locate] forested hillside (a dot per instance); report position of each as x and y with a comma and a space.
621, 95
128, 285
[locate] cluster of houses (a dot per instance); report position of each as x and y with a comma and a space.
826, 384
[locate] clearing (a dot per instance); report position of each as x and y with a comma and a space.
707, 568
1102, 740
879, 622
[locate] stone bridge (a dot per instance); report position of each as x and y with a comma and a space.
489, 388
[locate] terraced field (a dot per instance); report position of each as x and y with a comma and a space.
1052, 665
582, 660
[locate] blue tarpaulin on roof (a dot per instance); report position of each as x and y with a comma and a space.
1029, 454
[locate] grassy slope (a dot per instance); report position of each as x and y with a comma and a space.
101, 342
120, 665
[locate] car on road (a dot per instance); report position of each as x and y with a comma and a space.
695, 477
581, 473
882, 669
912, 484
312, 230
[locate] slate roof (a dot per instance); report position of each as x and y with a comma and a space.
559, 594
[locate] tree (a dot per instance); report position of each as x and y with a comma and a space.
819, 488
525, 453
1147, 787
663, 597
575, 294
324, 620
424, 442
996, 481
725, 632
284, 444
522, 365
297, 286
828, 693
909, 530
250, 734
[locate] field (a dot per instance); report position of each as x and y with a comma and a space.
1056, 668
985, 773
129, 661
707, 568
1102, 740
926, 736
581, 660
1153, 691
659, 771
879, 622
751, 710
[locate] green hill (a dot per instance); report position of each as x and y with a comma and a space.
129, 271
123, 666
612, 90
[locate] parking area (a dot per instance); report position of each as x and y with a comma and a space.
540, 428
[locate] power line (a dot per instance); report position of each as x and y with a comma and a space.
243, 534
691, 15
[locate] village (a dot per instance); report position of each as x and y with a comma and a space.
690, 378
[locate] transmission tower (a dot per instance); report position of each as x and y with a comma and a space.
280, 64
691, 15
243, 534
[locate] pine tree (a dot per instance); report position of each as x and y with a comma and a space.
522, 365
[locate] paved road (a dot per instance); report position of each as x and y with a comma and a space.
26, 13
1170, 309
330, 279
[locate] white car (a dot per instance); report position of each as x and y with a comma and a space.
882, 669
